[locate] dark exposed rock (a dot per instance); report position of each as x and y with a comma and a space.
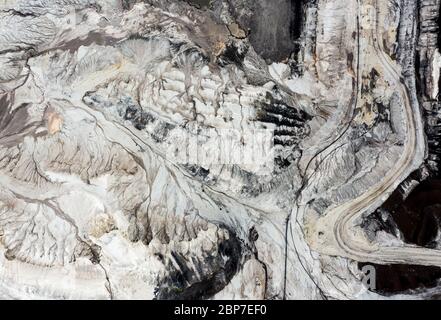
273, 26
199, 3
428, 42
380, 220
417, 218
233, 54
127, 4
291, 127
253, 235
396, 278
197, 171
212, 274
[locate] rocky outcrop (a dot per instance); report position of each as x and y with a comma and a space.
215, 149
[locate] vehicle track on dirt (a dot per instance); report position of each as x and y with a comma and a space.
351, 243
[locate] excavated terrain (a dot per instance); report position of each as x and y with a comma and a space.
223, 149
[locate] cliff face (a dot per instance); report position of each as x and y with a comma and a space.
217, 149
428, 75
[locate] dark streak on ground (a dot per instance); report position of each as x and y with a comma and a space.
418, 218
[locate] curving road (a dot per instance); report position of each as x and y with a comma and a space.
336, 233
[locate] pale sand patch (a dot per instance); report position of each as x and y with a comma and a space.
54, 122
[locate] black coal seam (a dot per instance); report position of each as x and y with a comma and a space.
403, 278
431, 137
208, 287
295, 27
439, 27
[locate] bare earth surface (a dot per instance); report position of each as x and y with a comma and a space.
224, 149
